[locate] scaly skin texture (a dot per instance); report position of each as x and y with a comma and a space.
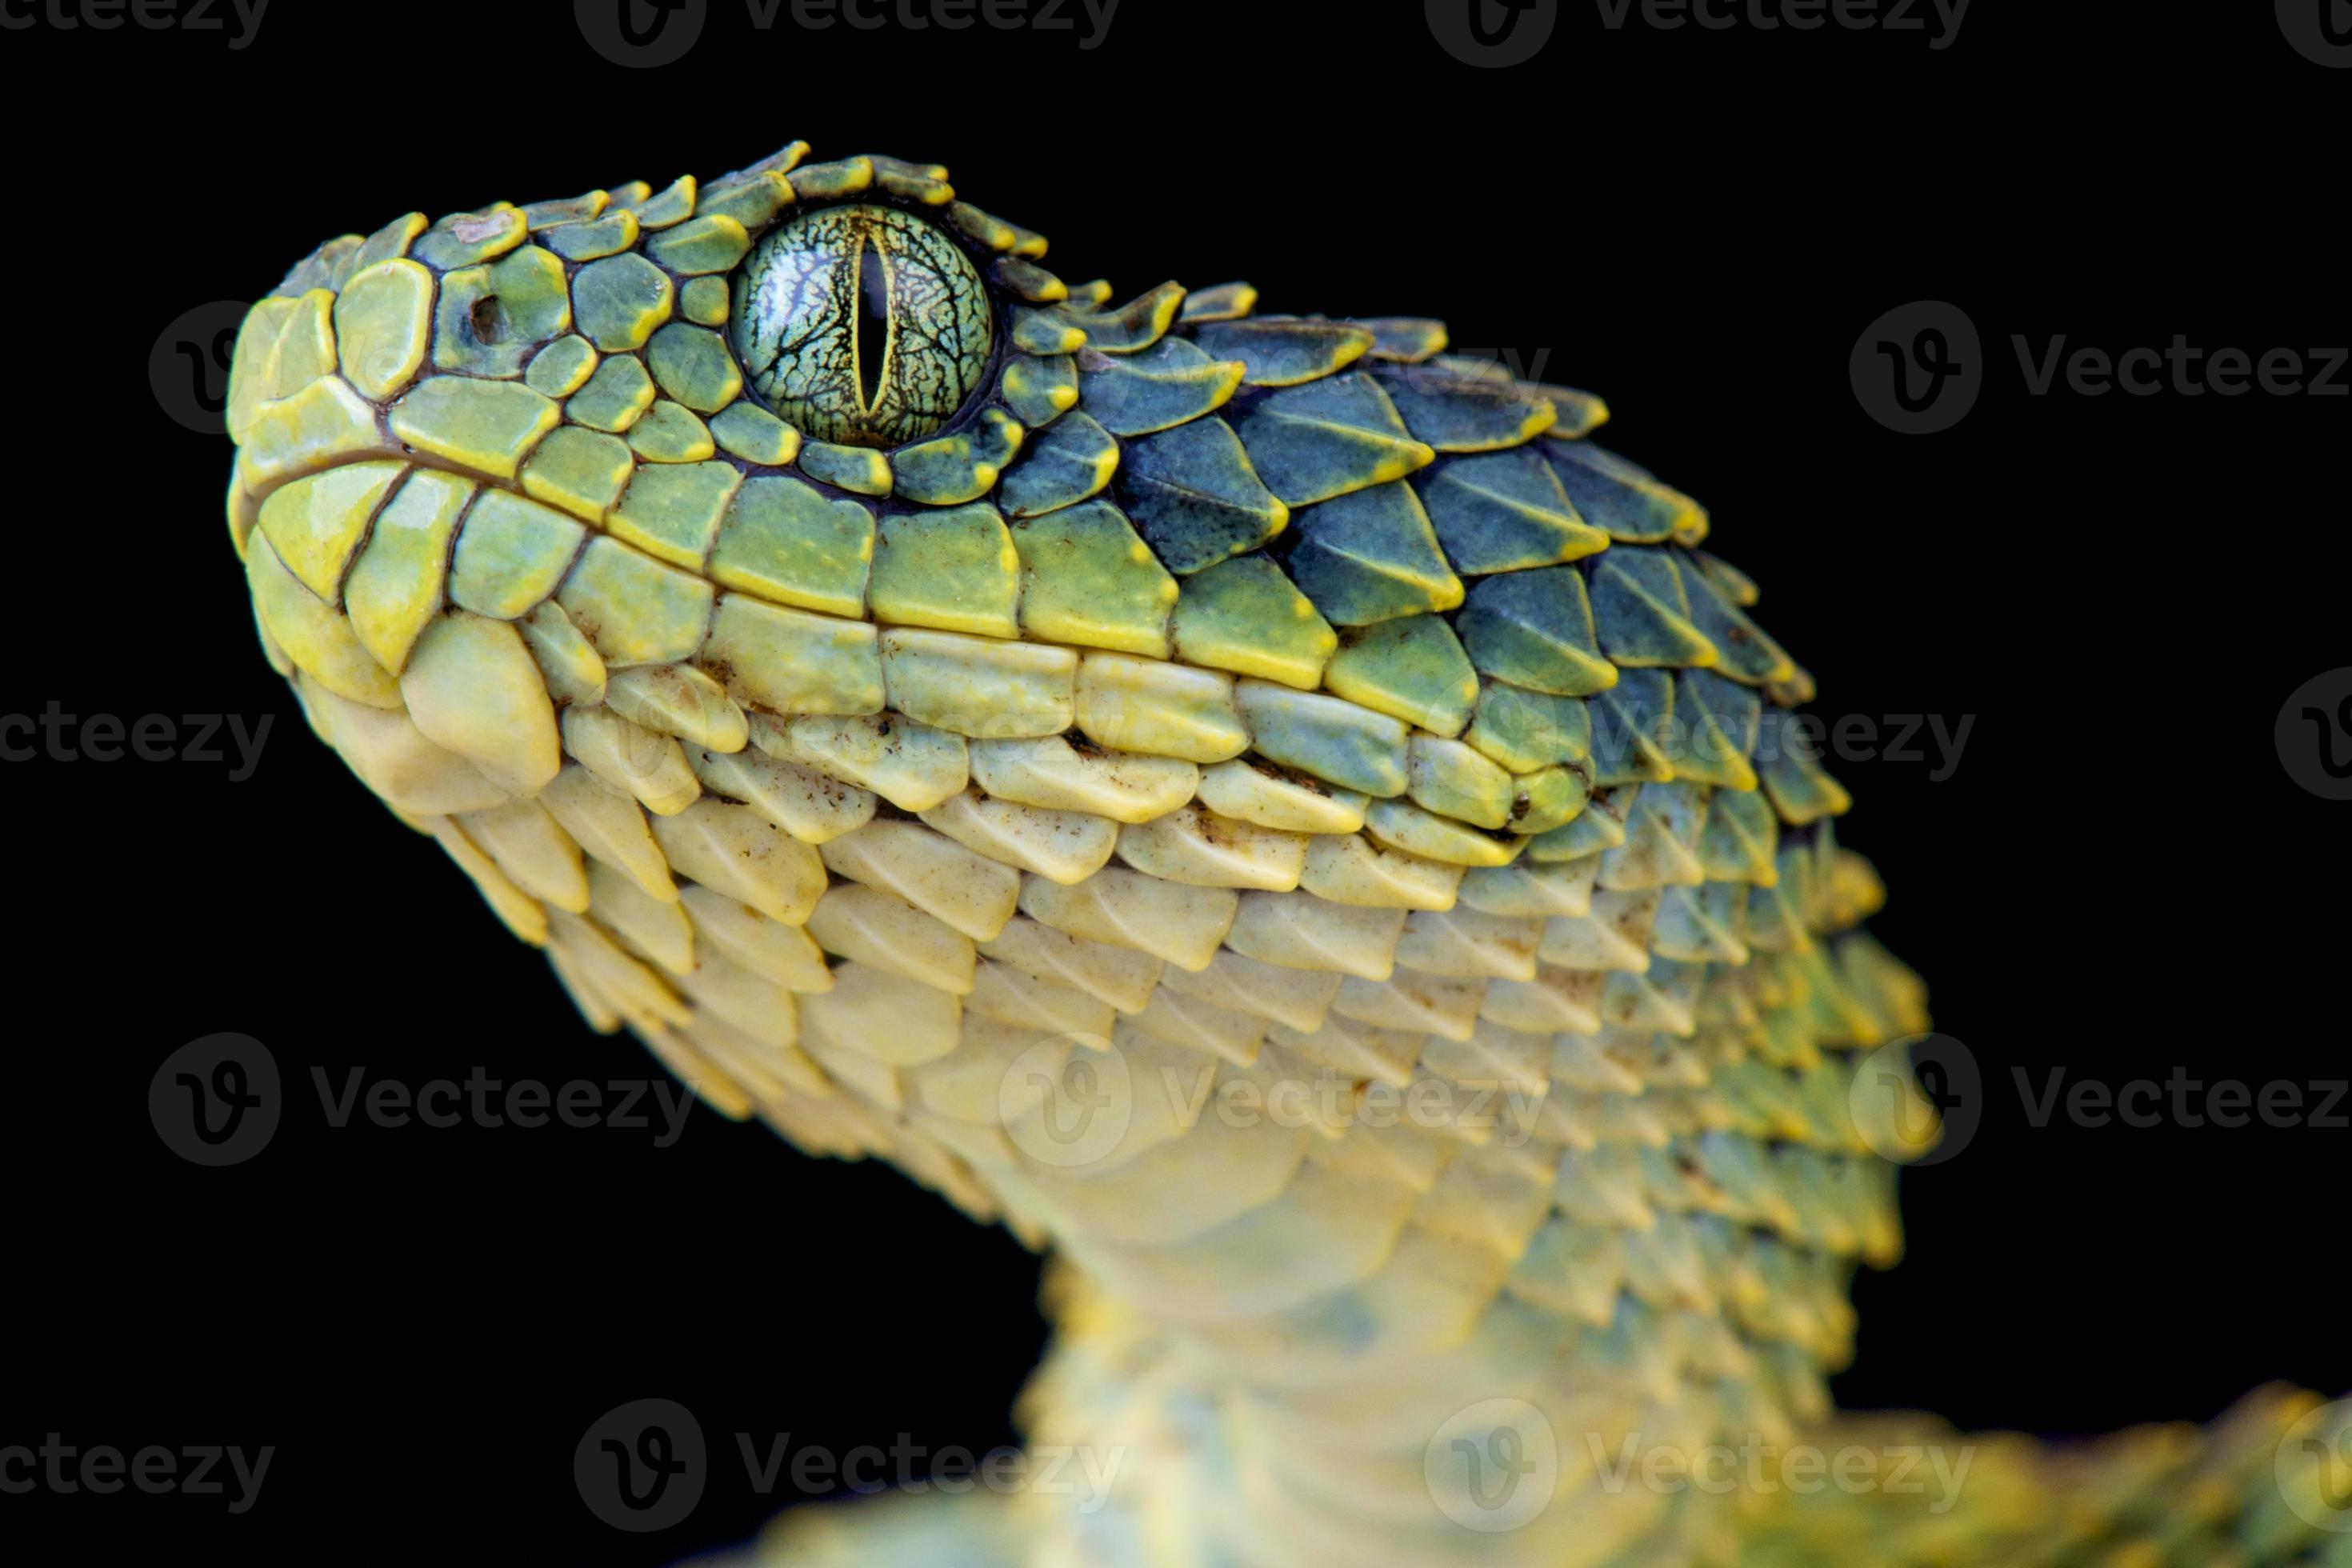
1266, 811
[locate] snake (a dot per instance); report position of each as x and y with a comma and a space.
1269, 811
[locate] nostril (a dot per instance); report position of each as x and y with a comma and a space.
490, 320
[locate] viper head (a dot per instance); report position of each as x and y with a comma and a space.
853, 319
769, 433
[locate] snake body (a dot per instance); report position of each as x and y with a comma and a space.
1266, 810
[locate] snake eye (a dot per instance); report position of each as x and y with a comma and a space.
862, 326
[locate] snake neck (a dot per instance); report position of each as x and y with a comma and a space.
1365, 1430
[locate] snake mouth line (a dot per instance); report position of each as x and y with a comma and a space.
254, 499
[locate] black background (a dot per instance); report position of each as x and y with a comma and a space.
2118, 878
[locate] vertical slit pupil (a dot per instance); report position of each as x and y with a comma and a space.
873, 322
